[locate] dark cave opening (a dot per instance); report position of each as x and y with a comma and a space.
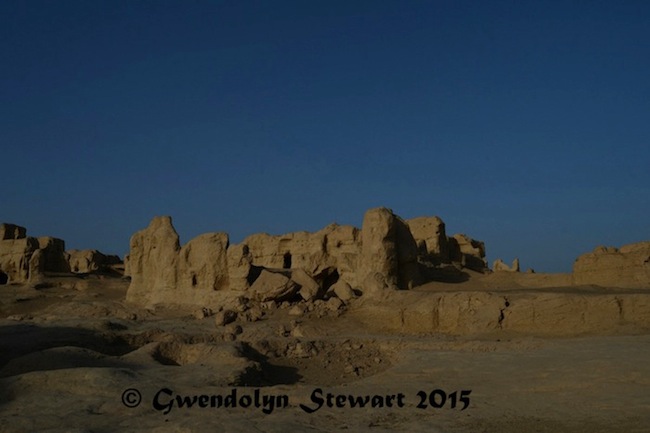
287, 261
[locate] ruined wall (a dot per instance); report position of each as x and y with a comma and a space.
431, 237
335, 247
500, 266
15, 252
163, 272
153, 257
627, 267
12, 232
54, 256
88, 261
15, 255
490, 313
388, 249
470, 253
23, 259
203, 264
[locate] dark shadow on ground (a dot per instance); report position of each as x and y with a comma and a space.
448, 274
22, 339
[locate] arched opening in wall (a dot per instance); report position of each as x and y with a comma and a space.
194, 281
4, 278
287, 261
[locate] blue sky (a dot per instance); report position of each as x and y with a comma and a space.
525, 124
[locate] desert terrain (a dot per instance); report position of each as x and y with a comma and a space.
294, 216
463, 350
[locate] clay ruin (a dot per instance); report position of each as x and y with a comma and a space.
394, 302
25, 259
386, 253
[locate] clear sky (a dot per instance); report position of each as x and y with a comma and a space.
525, 124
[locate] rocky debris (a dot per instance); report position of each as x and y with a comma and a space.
324, 362
282, 331
627, 267
229, 336
202, 313
297, 332
309, 288
269, 305
297, 310
334, 304
274, 286
253, 314
224, 317
343, 291
233, 328
500, 266
241, 304
469, 252
300, 349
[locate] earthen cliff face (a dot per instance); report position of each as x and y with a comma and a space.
387, 253
627, 267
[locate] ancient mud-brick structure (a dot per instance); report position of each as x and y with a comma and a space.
25, 259
387, 253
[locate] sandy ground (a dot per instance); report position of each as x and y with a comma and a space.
69, 354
